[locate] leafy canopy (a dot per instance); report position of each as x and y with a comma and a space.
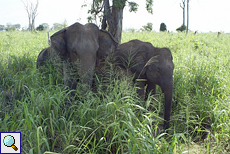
98, 5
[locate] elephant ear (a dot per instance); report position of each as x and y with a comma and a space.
138, 61
58, 43
107, 44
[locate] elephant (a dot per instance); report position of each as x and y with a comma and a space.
151, 66
78, 48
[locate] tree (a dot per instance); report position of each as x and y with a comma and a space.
65, 24
111, 15
163, 27
2, 27
183, 7
148, 27
17, 26
40, 28
9, 27
46, 26
31, 10
58, 26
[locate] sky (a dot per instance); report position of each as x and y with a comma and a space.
204, 15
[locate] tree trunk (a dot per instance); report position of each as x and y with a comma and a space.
187, 15
107, 15
33, 24
114, 18
183, 7
183, 17
29, 25
116, 30
184, 13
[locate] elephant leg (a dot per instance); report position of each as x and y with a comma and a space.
68, 79
167, 88
151, 89
141, 88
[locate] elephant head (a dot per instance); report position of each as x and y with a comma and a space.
79, 46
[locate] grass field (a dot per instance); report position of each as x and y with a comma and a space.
114, 119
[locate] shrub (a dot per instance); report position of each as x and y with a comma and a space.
40, 28
181, 28
163, 27
148, 27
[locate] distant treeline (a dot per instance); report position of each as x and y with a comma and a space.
58, 26
41, 27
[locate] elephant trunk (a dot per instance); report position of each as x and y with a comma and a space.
86, 70
168, 92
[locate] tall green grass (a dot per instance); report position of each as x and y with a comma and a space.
112, 118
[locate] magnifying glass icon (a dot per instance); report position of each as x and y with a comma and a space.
9, 141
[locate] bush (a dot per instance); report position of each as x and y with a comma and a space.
148, 27
40, 28
181, 28
163, 27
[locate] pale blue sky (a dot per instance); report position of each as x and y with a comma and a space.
205, 15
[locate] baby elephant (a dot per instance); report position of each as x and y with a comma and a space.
151, 66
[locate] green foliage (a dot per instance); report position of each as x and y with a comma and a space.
97, 7
40, 28
181, 28
149, 6
10, 27
148, 27
112, 118
59, 26
163, 27
133, 7
119, 3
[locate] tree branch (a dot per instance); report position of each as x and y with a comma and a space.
31, 12
183, 4
107, 13
95, 10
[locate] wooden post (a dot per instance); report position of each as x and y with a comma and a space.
48, 37
187, 15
